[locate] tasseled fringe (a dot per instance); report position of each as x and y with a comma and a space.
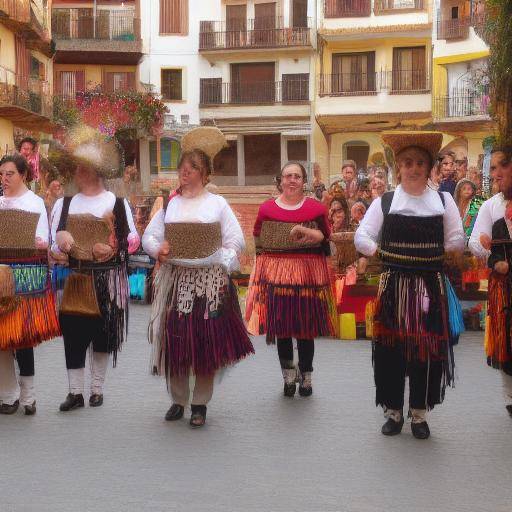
59, 275
497, 346
30, 278
33, 321
411, 308
456, 320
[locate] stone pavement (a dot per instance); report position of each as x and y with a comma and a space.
259, 451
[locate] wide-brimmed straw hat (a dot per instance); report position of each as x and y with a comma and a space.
208, 139
398, 141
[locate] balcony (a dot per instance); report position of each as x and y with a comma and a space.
450, 29
25, 101
28, 20
110, 37
368, 84
347, 8
398, 6
466, 104
255, 33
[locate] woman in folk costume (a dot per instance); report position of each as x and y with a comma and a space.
289, 291
27, 308
196, 325
92, 234
492, 239
417, 316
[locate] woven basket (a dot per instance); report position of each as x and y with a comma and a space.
193, 240
87, 230
346, 253
79, 297
275, 236
17, 233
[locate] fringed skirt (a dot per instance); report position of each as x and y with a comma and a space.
290, 296
196, 324
497, 343
413, 311
29, 316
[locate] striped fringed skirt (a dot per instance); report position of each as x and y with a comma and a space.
290, 296
29, 316
497, 344
196, 325
412, 310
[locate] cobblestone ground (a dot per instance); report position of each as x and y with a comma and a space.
259, 451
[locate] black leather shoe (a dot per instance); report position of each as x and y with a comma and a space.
392, 427
289, 390
305, 391
420, 430
72, 402
9, 409
95, 400
198, 418
509, 409
30, 410
175, 412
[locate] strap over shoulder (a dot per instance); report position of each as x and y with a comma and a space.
386, 200
64, 213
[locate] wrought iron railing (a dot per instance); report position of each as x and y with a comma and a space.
453, 28
268, 32
464, 103
106, 25
16, 9
347, 8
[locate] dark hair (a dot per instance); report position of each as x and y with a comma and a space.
199, 160
345, 209
418, 148
30, 140
21, 164
506, 150
289, 164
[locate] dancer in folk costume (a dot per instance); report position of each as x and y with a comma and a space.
92, 234
492, 239
27, 308
196, 326
289, 292
417, 316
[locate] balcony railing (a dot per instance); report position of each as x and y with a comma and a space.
253, 33
18, 10
108, 25
465, 103
398, 6
366, 84
214, 92
453, 28
347, 8
29, 93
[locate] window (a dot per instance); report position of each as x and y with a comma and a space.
37, 69
253, 83
174, 17
169, 155
353, 72
455, 13
171, 87
409, 69
114, 81
70, 82
296, 87
210, 91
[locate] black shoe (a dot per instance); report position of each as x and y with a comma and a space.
289, 390
175, 413
198, 418
420, 430
9, 409
72, 402
392, 427
95, 400
305, 391
305, 387
509, 409
30, 410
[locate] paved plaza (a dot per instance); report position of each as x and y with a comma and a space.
259, 451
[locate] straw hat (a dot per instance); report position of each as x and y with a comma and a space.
376, 158
398, 141
208, 139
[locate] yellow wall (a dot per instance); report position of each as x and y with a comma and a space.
7, 49
93, 72
6, 136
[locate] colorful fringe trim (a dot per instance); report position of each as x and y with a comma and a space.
290, 296
497, 340
455, 318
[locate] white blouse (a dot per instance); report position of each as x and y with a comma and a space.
29, 202
492, 210
97, 205
427, 204
206, 208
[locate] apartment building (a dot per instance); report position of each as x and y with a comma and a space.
25, 70
461, 88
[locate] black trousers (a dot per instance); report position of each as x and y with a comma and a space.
25, 358
306, 349
390, 370
78, 333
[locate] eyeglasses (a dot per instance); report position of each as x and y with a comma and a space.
291, 176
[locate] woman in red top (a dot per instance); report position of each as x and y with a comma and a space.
289, 291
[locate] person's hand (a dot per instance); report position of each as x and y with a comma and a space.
342, 236
60, 258
133, 243
102, 252
501, 267
163, 253
485, 241
362, 264
306, 236
64, 241
41, 244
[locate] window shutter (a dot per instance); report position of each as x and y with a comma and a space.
296, 87
174, 17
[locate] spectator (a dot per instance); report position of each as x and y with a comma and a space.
28, 147
318, 188
461, 167
435, 176
357, 213
468, 204
377, 188
348, 177
55, 191
339, 216
447, 167
363, 192
475, 176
